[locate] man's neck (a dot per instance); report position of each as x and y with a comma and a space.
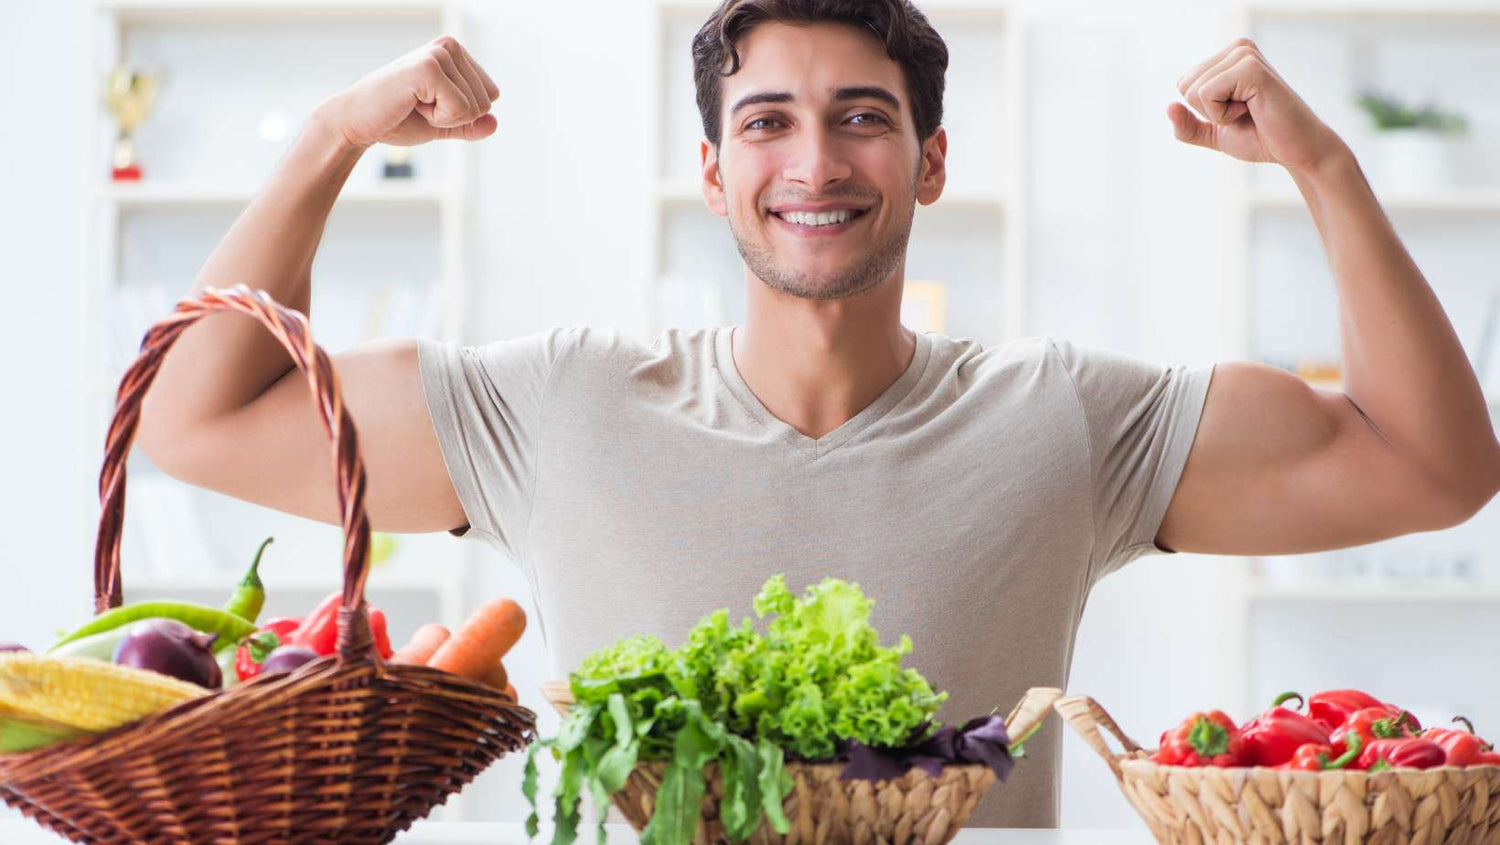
815, 364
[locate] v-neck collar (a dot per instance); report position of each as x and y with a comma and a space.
817, 447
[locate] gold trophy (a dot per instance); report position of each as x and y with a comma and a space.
129, 94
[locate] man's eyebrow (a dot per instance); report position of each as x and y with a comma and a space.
858, 92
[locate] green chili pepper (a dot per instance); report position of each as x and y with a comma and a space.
210, 620
100, 646
250, 596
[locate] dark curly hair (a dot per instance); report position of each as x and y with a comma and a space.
909, 40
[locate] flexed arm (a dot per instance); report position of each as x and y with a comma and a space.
1277, 466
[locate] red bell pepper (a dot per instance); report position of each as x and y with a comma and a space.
253, 652
1370, 724
1489, 758
1462, 748
1273, 737
1315, 757
377, 629
1203, 739
320, 632
1407, 752
282, 626
1334, 707
249, 656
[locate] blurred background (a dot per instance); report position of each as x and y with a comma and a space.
1070, 211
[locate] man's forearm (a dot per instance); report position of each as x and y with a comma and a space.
1403, 363
226, 360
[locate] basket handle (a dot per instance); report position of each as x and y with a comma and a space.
560, 695
1029, 712
1086, 717
291, 328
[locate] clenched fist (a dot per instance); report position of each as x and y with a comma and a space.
1250, 112
435, 91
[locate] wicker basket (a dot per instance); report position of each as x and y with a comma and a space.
1449, 804
915, 807
347, 748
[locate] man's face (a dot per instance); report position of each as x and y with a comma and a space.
818, 167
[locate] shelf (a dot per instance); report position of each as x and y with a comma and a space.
1384, 13
151, 195
158, 12
1451, 201
1376, 591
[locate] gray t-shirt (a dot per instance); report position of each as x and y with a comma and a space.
976, 501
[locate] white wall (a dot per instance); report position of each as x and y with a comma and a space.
1123, 251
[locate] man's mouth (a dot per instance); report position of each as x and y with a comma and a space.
820, 222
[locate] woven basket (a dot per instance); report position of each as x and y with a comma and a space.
915, 807
346, 748
1449, 804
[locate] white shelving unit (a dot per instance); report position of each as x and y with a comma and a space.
1261, 196
974, 243
196, 182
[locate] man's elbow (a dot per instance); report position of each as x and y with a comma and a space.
1476, 487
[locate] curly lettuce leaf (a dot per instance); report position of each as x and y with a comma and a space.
818, 680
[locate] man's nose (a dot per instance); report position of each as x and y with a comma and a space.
817, 160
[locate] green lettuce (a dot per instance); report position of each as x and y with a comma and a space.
736, 698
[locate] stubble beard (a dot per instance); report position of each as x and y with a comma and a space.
877, 265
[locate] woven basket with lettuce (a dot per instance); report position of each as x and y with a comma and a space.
810, 732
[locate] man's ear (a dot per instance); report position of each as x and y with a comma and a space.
712, 181
932, 172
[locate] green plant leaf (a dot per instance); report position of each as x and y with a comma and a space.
740, 810
775, 784
678, 804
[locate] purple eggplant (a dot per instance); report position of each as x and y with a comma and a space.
13, 647
288, 657
171, 648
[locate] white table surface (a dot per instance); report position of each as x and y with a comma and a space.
25, 832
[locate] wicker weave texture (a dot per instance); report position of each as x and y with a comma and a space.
915, 808
824, 810
1448, 805
344, 749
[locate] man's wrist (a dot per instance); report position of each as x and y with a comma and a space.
1335, 167
324, 131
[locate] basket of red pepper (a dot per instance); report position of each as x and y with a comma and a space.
1340, 766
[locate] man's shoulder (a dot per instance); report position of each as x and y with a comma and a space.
968, 356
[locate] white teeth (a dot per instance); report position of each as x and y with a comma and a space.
827, 218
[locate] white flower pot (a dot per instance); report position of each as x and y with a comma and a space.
1414, 160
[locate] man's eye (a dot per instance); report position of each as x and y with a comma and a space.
752, 124
870, 115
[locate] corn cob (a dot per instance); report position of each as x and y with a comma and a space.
24, 733
84, 693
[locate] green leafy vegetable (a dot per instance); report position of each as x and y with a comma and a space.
740, 700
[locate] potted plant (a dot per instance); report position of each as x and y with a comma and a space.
1415, 144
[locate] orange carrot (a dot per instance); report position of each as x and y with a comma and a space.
482, 641
496, 677
424, 644
510, 690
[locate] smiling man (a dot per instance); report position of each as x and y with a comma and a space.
977, 494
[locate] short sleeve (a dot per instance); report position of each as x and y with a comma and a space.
488, 406
1141, 419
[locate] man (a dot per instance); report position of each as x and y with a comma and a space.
976, 494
